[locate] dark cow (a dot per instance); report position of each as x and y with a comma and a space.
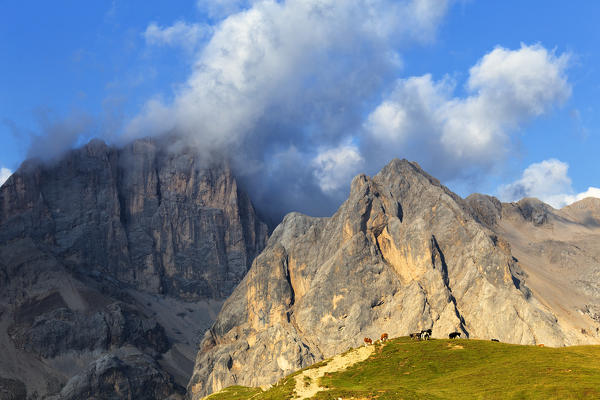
384, 337
425, 334
454, 335
495, 340
415, 336
368, 341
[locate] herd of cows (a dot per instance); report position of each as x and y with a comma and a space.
425, 334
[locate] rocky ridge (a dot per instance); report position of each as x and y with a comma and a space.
113, 262
558, 252
402, 254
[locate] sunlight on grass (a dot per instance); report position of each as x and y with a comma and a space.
455, 369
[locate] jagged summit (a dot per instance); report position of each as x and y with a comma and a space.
112, 262
401, 254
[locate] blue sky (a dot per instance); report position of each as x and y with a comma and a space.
305, 97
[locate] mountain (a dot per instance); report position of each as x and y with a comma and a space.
113, 263
558, 250
401, 254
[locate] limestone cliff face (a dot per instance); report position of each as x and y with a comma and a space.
559, 254
402, 254
122, 253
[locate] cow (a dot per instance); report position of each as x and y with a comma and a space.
384, 337
541, 345
495, 340
415, 335
367, 341
454, 335
425, 334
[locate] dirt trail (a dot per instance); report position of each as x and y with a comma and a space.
305, 388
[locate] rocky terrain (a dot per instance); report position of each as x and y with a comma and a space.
559, 251
113, 263
402, 254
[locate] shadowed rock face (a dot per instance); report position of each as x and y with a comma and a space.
402, 254
161, 222
136, 376
110, 249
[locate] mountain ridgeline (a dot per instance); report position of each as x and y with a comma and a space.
115, 262
112, 262
403, 254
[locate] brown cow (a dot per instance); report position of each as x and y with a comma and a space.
415, 335
541, 345
368, 341
384, 337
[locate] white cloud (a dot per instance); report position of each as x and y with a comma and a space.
590, 192
548, 181
5, 173
290, 60
179, 34
57, 135
451, 135
291, 74
335, 167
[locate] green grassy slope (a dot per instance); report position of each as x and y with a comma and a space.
454, 369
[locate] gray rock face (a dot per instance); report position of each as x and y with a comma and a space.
137, 376
62, 330
12, 389
402, 254
162, 222
113, 248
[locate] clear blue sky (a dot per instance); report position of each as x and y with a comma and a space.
97, 63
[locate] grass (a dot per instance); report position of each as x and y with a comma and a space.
284, 389
454, 369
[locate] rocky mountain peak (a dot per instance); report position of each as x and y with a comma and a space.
534, 210
487, 209
124, 253
401, 254
585, 211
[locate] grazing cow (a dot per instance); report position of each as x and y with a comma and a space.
425, 334
415, 335
368, 341
454, 335
495, 340
384, 337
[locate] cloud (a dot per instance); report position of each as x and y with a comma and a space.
455, 136
300, 59
334, 168
590, 192
54, 135
282, 83
283, 77
5, 173
548, 181
179, 34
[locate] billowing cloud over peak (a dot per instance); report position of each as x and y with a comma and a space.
454, 135
303, 94
548, 181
